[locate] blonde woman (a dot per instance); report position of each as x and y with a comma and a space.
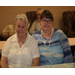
20, 50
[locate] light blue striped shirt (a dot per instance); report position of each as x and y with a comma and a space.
55, 50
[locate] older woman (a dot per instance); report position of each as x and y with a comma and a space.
53, 44
19, 50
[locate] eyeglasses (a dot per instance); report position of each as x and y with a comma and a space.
48, 21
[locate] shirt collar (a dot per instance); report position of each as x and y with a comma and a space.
15, 38
37, 20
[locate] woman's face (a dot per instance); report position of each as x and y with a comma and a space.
46, 24
21, 28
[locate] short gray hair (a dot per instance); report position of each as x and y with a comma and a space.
21, 17
40, 9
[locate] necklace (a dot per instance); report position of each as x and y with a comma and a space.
46, 33
44, 41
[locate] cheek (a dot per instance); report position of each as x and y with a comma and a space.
25, 29
42, 26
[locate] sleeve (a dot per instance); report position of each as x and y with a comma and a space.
6, 48
35, 50
68, 58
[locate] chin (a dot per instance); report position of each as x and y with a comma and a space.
46, 29
20, 34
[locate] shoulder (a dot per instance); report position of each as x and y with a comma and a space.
30, 38
35, 22
61, 34
7, 46
58, 30
12, 38
37, 34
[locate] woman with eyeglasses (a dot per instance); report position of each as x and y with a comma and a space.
53, 44
21, 49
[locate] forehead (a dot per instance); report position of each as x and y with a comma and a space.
20, 21
45, 18
38, 11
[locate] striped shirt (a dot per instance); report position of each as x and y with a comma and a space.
55, 50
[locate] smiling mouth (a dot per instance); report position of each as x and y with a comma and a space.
46, 26
20, 32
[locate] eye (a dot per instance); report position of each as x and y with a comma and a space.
44, 21
23, 26
18, 26
48, 21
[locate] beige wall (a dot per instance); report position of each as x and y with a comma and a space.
8, 14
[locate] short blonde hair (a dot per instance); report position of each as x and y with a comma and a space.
21, 17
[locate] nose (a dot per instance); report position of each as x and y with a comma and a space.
20, 28
46, 22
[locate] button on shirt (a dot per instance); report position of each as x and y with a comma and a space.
20, 57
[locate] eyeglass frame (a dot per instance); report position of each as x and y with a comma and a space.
44, 21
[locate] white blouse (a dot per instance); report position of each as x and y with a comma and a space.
20, 57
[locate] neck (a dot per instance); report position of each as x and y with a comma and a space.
49, 34
38, 19
45, 33
22, 39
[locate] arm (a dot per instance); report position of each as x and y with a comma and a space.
35, 54
36, 62
68, 58
5, 52
4, 61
